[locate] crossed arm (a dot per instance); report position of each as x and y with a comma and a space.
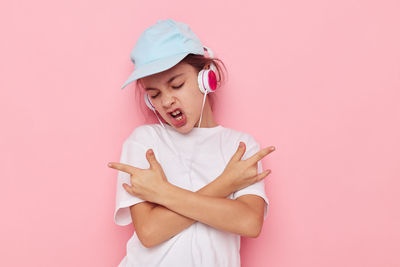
179, 208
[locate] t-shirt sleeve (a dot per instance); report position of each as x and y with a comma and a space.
134, 154
252, 147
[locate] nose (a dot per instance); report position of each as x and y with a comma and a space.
167, 100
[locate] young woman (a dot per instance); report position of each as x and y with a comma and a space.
190, 186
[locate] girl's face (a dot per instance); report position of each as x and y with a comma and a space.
177, 89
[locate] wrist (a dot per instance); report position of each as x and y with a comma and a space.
163, 193
225, 185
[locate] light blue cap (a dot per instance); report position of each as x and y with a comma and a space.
161, 46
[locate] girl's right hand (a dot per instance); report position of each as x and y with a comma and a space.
242, 173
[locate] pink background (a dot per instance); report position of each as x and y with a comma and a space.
319, 80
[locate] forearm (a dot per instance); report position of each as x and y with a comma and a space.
221, 213
164, 223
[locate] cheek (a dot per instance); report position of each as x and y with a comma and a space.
192, 98
194, 91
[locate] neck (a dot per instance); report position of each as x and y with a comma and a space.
207, 120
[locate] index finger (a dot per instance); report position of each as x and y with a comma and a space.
122, 167
259, 155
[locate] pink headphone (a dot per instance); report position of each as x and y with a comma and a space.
207, 81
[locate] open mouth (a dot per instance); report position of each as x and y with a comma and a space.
177, 114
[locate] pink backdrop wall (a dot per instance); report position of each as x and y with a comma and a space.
320, 80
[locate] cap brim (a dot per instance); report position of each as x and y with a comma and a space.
154, 67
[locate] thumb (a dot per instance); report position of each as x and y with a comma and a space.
240, 151
151, 158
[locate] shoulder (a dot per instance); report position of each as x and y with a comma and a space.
236, 136
231, 139
143, 133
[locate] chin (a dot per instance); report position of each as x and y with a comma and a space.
183, 129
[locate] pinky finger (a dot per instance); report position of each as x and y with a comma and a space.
127, 188
263, 175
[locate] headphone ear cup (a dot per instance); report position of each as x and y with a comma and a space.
212, 80
207, 81
201, 82
148, 102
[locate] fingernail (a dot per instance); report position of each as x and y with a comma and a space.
109, 164
151, 152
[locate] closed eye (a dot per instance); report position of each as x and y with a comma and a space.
175, 87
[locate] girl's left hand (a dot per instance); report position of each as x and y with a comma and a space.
146, 184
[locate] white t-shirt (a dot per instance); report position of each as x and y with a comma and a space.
210, 148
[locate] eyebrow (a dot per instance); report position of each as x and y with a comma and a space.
169, 81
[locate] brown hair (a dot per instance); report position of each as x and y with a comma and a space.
198, 62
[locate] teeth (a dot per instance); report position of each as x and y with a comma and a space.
179, 118
176, 112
